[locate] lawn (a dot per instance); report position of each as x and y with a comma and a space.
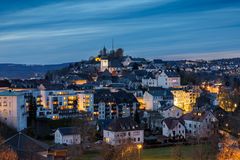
166, 153
163, 153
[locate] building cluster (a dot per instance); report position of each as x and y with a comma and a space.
124, 95
221, 66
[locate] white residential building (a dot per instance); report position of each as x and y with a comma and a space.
154, 96
67, 135
200, 124
104, 65
173, 128
167, 79
43, 92
13, 109
171, 111
149, 81
123, 130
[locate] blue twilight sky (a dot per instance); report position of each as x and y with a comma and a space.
56, 31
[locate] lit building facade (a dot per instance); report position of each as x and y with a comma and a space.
185, 98
13, 110
103, 65
56, 104
85, 101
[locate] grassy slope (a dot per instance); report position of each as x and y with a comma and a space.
164, 153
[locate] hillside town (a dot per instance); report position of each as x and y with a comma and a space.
114, 99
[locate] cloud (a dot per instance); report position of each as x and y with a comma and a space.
150, 28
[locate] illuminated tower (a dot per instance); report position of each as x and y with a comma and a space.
104, 65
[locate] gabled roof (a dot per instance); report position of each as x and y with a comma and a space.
171, 73
116, 63
23, 143
103, 124
149, 75
196, 116
123, 124
172, 122
151, 66
105, 95
69, 131
158, 91
140, 73
167, 107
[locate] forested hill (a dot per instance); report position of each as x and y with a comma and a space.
22, 71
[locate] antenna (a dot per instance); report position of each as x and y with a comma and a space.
112, 44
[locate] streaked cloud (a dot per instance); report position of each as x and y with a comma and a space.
69, 30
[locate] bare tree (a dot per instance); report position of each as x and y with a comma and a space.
177, 152
126, 151
6, 153
229, 149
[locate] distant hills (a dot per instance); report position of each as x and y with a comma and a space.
23, 71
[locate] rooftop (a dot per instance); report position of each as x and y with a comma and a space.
69, 130
11, 93
123, 124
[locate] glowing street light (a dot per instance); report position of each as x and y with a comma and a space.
139, 147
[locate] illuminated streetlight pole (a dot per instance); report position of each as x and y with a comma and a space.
139, 147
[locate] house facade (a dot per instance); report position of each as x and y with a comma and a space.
67, 135
123, 130
154, 96
171, 111
173, 128
200, 124
168, 79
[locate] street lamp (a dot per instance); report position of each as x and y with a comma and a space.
139, 147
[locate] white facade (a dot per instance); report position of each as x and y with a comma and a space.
42, 95
177, 130
202, 127
167, 82
104, 65
150, 82
59, 138
173, 112
127, 61
117, 138
152, 103
13, 110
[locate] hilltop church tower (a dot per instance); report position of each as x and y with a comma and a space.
104, 64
